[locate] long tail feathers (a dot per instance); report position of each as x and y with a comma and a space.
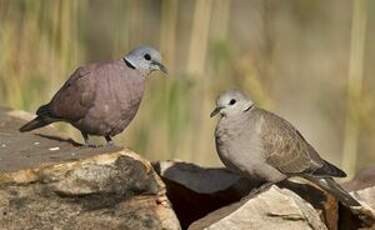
38, 122
328, 184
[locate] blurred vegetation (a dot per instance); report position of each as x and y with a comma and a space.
310, 61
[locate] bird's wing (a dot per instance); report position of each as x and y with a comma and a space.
75, 97
285, 148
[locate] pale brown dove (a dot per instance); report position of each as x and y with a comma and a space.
263, 146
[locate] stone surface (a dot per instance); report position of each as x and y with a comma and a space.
323, 202
204, 180
48, 182
190, 186
363, 188
272, 209
363, 179
196, 191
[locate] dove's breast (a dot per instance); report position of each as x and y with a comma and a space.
238, 144
119, 93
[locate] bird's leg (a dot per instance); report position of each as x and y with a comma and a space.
86, 138
109, 140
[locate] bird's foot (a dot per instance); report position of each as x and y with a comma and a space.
260, 189
110, 144
88, 145
87, 142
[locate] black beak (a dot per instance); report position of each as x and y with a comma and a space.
216, 111
161, 67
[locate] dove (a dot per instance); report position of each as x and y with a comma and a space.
101, 99
264, 147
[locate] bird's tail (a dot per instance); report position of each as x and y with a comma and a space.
330, 185
38, 122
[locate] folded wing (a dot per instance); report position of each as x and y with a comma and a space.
288, 151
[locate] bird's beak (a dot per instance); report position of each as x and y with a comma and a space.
161, 67
216, 111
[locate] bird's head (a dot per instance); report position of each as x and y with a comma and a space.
231, 103
146, 60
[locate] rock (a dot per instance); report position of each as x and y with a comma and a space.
363, 189
364, 179
366, 196
272, 209
190, 186
199, 179
48, 182
323, 202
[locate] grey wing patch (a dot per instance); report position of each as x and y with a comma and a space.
285, 149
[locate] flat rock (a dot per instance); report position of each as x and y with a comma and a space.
196, 191
50, 182
199, 179
272, 209
363, 179
362, 187
190, 186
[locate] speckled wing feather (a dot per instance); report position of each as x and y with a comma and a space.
75, 97
285, 148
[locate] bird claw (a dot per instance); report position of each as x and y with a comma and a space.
90, 145
110, 144
260, 189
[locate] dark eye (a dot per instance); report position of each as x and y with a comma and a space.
147, 57
232, 102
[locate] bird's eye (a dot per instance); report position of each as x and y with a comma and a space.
147, 57
232, 102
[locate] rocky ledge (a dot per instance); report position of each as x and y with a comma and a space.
214, 198
50, 182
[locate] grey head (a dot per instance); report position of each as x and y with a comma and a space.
232, 103
145, 59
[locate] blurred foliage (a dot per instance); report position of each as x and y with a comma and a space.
292, 57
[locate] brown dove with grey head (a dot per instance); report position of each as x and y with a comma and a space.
264, 147
101, 99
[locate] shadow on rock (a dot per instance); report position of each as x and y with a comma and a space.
60, 139
195, 191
